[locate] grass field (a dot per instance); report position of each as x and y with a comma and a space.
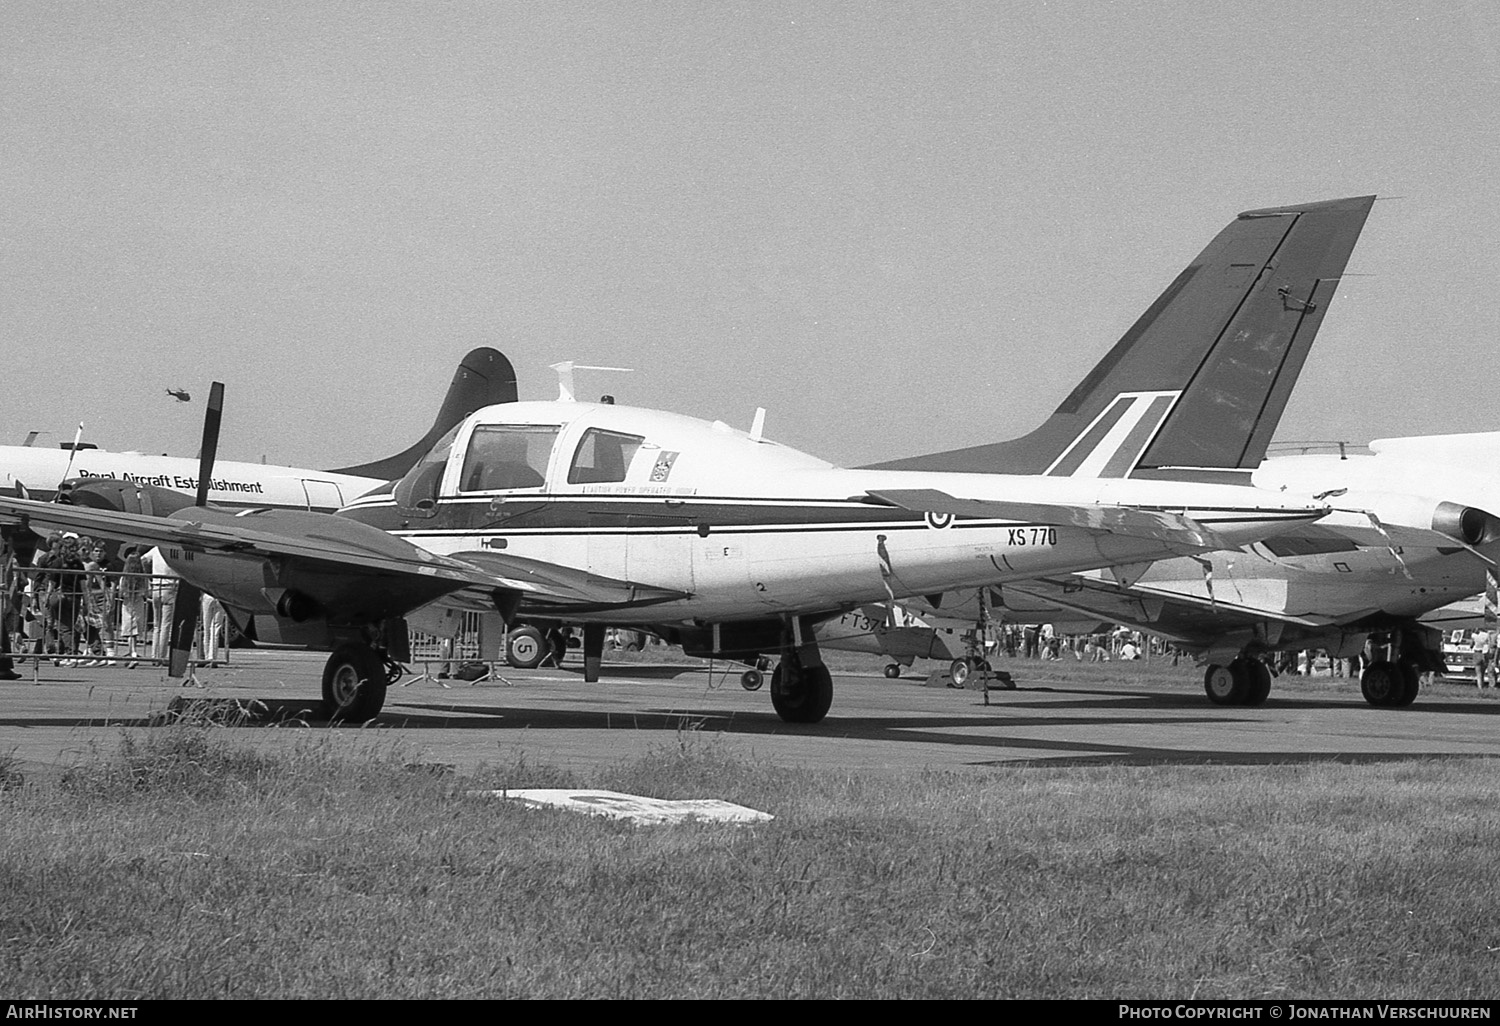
182, 865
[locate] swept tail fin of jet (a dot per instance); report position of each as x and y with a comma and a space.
484, 378
1200, 381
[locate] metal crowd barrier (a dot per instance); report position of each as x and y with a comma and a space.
100, 618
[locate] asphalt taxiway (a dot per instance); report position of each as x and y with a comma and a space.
1065, 714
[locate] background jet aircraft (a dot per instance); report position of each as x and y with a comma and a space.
484, 377
1410, 532
734, 546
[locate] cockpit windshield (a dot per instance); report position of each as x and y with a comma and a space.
419, 488
507, 456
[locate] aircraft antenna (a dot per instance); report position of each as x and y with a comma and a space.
565, 389
758, 428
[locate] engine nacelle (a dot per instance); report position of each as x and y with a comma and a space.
1469, 524
297, 607
123, 496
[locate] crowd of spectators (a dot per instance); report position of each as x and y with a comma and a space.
84, 602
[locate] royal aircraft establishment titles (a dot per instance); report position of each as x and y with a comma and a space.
187, 484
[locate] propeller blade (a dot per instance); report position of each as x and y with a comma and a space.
184, 627
210, 448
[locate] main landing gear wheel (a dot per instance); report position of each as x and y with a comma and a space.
1245, 681
557, 647
354, 682
1224, 686
1413, 677
801, 694
525, 648
1259, 675
1388, 685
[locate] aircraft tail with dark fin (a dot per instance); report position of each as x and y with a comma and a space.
1198, 384
484, 378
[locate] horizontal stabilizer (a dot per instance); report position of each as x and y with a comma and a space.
1172, 528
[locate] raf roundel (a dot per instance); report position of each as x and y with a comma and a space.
938, 521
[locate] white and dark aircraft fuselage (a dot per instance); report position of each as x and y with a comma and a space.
739, 528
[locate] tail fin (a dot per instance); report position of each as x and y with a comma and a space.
484, 378
1201, 379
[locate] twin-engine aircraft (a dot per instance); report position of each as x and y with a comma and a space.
93, 476
734, 546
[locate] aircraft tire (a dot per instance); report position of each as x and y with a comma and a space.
1411, 679
1224, 686
525, 648
1259, 676
958, 672
354, 683
806, 698
557, 646
893, 670
1383, 684
752, 679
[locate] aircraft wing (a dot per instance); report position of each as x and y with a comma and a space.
556, 589
1188, 620
338, 561
1173, 528
319, 538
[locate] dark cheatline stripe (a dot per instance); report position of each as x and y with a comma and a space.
1089, 441
1135, 442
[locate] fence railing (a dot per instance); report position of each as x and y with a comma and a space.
101, 617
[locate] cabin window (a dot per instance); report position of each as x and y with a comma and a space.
507, 456
603, 456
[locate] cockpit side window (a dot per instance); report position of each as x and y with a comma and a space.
507, 456
603, 456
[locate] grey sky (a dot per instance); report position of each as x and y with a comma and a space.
899, 227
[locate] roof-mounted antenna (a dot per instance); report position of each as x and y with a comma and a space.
758, 427
565, 391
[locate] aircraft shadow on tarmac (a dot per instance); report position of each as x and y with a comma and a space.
986, 735
990, 736
1187, 700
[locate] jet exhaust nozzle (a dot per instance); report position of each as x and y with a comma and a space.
296, 606
1469, 524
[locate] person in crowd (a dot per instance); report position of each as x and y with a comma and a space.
163, 601
61, 588
1031, 640
211, 617
11, 599
1481, 642
97, 623
133, 591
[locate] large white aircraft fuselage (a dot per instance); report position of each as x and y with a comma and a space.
233, 485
